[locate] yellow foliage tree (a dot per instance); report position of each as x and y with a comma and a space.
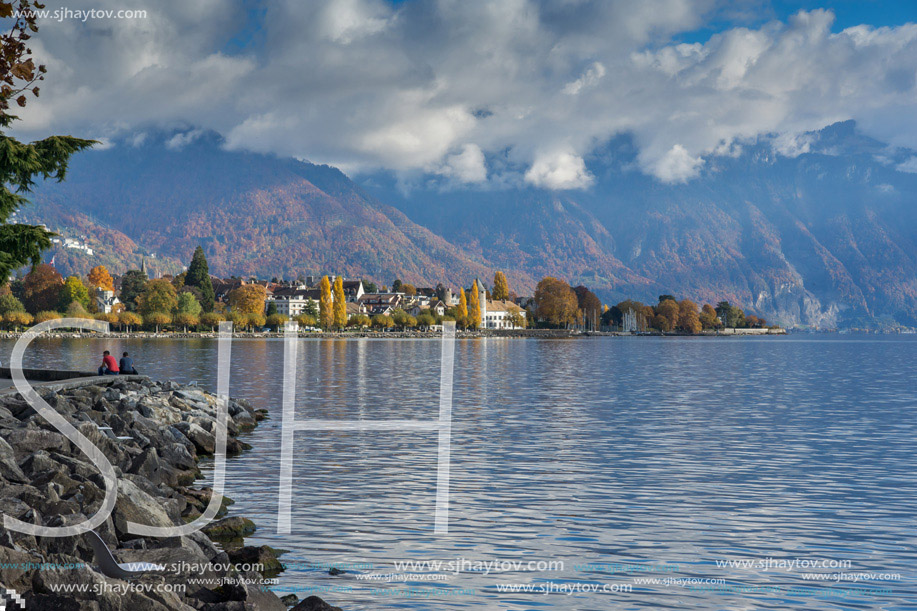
248, 299
461, 311
501, 287
340, 304
325, 313
99, 277
474, 306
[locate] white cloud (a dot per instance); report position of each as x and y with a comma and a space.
183, 139
593, 75
909, 166
677, 165
559, 170
366, 84
468, 166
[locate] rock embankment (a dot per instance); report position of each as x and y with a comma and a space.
46, 480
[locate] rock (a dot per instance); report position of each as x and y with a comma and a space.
289, 600
135, 505
10, 471
26, 441
262, 559
230, 528
204, 442
334, 571
314, 603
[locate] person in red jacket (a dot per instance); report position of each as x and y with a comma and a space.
109, 365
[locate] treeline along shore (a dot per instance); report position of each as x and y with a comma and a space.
154, 434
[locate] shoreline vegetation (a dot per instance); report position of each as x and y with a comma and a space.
159, 433
410, 334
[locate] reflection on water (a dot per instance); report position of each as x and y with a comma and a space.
679, 452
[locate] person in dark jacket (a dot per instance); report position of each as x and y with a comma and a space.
127, 365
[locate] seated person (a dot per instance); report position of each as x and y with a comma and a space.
109, 366
127, 365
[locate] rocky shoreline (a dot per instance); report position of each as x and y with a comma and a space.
45, 479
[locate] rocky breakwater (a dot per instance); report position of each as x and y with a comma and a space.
157, 433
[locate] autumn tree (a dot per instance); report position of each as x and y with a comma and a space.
325, 304
688, 319
158, 297
275, 321
501, 287
461, 310
381, 321
589, 305
409, 289
133, 283
129, 319
100, 278
46, 315
186, 319
73, 291
340, 304
668, 309
708, 319
158, 319
21, 164
248, 299
211, 319
198, 276
41, 288
474, 306
17, 319
555, 302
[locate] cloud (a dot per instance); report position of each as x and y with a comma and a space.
677, 165
593, 75
427, 86
909, 166
558, 171
468, 166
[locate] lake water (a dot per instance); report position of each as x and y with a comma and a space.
623, 459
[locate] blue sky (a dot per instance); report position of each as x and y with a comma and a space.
478, 91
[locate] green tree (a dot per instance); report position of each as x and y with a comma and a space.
21, 164
159, 296
370, 287
325, 313
198, 276
187, 304
474, 306
501, 287
133, 283
340, 304
211, 319
275, 321
271, 308
9, 303
397, 285
73, 291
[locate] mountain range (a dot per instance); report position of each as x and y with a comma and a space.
826, 236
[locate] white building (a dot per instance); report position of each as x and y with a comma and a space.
106, 300
497, 314
292, 302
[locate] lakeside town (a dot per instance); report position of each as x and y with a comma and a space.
196, 301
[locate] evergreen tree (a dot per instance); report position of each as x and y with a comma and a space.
325, 313
198, 276
340, 304
133, 283
501, 287
21, 163
271, 308
396, 285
